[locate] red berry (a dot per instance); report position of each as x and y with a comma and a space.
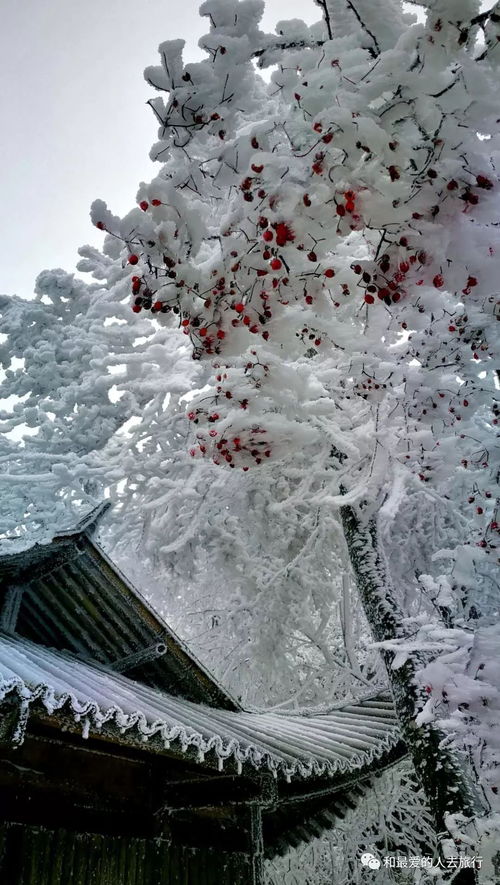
306, 200
312, 256
156, 202
133, 259
318, 127
221, 334
276, 264
438, 281
479, 510
158, 306
268, 236
239, 308
484, 182
329, 272
452, 185
144, 205
369, 299
203, 332
327, 138
136, 308
256, 168
284, 234
340, 210
100, 225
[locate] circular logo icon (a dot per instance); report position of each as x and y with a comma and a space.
369, 860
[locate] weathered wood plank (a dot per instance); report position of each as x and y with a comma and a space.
36, 856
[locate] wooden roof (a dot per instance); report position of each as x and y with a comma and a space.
67, 595
82, 655
289, 745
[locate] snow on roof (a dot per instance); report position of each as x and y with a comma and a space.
289, 744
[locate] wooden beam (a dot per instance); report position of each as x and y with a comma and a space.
212, 792
10, 608
143, 656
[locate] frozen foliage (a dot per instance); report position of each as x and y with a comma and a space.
390, 820
79, 374
249, 567
326, 246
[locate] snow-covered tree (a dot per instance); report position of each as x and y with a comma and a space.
325, 245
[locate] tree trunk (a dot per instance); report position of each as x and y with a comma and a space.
440, 771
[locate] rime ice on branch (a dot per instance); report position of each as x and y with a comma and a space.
246, 239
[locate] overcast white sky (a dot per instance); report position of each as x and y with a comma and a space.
75, 125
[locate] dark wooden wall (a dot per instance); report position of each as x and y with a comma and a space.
36, 856
92, 812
